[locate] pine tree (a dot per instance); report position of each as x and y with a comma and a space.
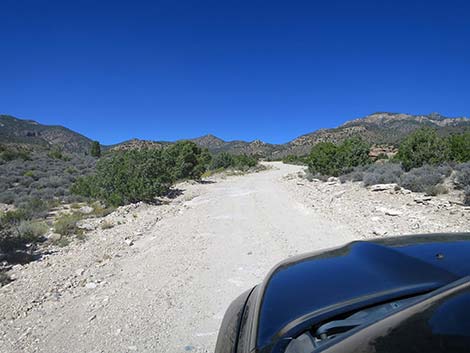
95, 149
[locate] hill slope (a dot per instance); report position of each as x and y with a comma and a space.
377, 128
29, 132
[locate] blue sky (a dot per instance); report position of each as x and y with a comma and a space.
273, 70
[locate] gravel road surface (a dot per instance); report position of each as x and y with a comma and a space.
166, 288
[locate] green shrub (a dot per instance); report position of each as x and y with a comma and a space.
326, 158
422, 147
95, 149
32, 231
35, 208
435, 190
186, 160
244, 162
66, 224
293, 159
11, 154
226, 160
55, 154
13, 218
462, 176
126, 177
222, 160
29, 173
382, 174
422, 179
459, 146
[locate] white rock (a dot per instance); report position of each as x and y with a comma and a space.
384, 187
17, 267
393, 213
54, 237
389, 211
129, 242
87, 224
379, 231
90, 285
85, 209
80, 272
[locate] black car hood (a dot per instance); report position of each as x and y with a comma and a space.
310, 289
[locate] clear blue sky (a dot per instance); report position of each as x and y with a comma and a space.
273, 70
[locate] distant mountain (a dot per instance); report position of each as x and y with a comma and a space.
209, 141
217, 145
30, 132
137, 144
377, 128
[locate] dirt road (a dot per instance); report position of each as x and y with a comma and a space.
170, 294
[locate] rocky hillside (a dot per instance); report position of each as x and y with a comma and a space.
31, 133
377, 128
137, 144
217, 145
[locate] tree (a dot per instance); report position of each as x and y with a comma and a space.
186, 160
222, 160
95, 149
127, 177
324, 159
459, 146
353, 152
422, 147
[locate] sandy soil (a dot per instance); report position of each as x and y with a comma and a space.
161, 280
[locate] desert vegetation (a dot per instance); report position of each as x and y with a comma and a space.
423, 163
34, 182
45, 175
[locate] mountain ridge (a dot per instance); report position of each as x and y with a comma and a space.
378, 128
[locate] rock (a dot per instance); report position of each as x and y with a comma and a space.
379, 231
376, 219
80, 272
332, 180
389, 211
17, 267
129, 242
92, 317
87, 224
85, 209
384, 187
406, 191
423, 200
393, 213
91, 285
54, 237
416, 226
